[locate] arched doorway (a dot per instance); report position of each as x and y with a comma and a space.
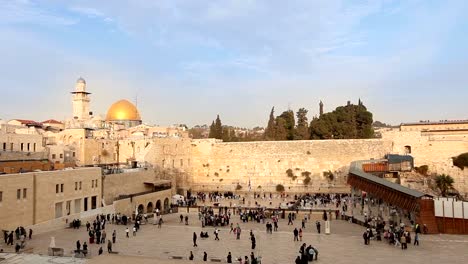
158, 205
149, 208
140, 208
166, 204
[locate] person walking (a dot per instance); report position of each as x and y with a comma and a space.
78, 245
134, 231
160, 222
205, 256
181, 218
85, 249
191, 254
30, 234
109, 246
195, 239
100, 251
416, 239
127, 231
186, 220
300, 234
216, 233
318, 226
253, 240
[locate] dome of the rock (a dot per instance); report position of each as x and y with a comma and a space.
123, 110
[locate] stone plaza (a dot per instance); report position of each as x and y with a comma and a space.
174, 239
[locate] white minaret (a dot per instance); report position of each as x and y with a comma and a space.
81, 101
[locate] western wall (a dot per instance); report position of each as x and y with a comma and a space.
209, 164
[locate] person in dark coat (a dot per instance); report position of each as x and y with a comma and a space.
78, 245
109, 246
195, 239
229, 258
191, 256
205, 256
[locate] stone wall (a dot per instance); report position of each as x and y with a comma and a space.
148, 202
31, 198
126, 183
263, 165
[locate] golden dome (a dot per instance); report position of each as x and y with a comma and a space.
123, 110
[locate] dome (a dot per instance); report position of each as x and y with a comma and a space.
123, 110
81, 80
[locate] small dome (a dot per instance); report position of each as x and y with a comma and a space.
81, 80
123, 110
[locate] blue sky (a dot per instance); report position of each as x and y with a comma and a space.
187, 61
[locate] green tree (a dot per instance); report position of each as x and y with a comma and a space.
302, 128
281, 133
270, 129
444, 183
289, 123
218, 128
461, 161
212, 130
345, 122
279, 188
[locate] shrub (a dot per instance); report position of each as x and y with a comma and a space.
307, 180
422, 169
306, 173
238, 187
259, 187
329, 175
216, 174
279, 188
220, 180
290, 173
461, 161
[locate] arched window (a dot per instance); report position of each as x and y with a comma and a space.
407, 149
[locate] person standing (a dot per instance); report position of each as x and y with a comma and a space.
85, 249
186, 220
127, 231
296, 234
109, 246
216, 233
205, 256
253, 240
181, 218
114, 236
78, 245
318, 226
195, 239
229, 258
100, 251
191, 254
300, 234
30, 234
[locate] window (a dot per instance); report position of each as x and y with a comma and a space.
92, 184
173, 163
95, 183
61, 188
24, 193
4, 146
22, 146
61, 156
76, 186
80, 185
34, 147
407, 149
11, 146
56, 188
28, 146
1, 197
18, 194
73, 154
53, 156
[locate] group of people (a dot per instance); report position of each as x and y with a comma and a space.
308, 253
20, 234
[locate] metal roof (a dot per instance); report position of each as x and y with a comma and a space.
356, 169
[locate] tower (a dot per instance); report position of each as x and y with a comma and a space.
81, 101
321, 108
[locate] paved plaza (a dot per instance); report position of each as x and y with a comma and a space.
344, 245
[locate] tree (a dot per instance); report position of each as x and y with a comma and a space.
270, 129
218, 128
345, 122
281, 132
289, 123
444, 183
302, 129
212, 130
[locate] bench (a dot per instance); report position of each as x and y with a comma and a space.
215, 260
177, 257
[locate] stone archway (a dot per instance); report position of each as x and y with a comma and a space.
158, 205
149, 208
166, 203
140, 209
